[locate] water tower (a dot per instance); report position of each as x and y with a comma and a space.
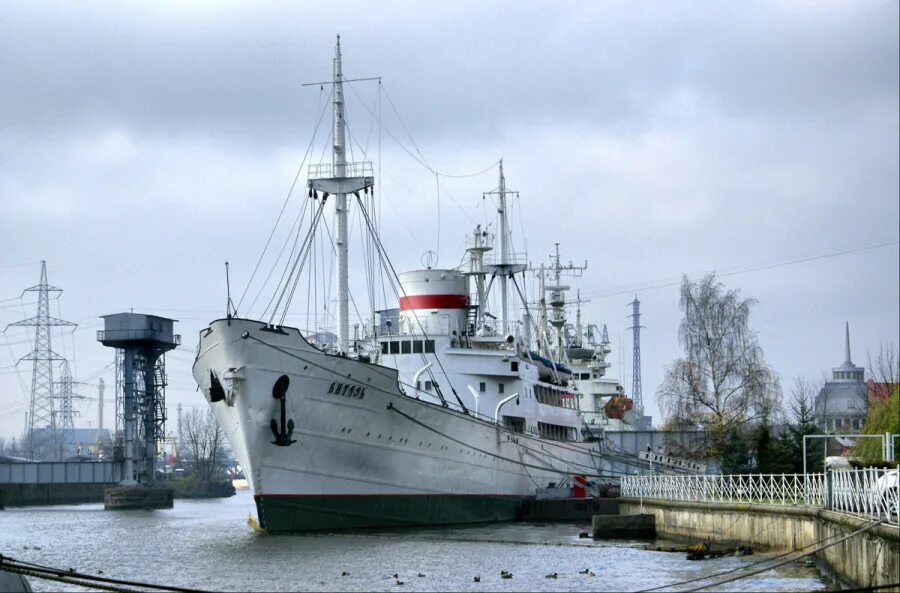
143, 341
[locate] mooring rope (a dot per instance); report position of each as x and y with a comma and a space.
89, 581
818, 548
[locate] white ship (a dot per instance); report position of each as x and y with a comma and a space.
442, 413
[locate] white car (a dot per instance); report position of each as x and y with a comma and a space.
886, 494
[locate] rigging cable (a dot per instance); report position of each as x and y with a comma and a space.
301, 259
287, 198
301, 255
298, 225
409, 152
416, 317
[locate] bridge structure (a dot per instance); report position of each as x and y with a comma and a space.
60, 472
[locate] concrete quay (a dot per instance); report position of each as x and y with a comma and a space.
867, 559
138, 497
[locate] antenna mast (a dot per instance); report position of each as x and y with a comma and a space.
636, 396
557, 300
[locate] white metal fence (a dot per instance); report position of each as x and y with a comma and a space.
869, 492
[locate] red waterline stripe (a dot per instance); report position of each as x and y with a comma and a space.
258, 496
434, 301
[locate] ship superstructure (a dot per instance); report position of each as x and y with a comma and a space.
440, 413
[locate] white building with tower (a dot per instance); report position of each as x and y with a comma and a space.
842, 405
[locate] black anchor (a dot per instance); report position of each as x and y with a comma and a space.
282, 435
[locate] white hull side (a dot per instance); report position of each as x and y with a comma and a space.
381, 443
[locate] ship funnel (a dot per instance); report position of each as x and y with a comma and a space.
433, 302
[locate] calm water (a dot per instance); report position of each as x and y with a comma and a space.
208, 545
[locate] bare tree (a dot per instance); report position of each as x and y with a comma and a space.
885, 367
803, 397
205, 440
722, 385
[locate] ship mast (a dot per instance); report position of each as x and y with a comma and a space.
339, 160
504, 251
340, 179
506, 266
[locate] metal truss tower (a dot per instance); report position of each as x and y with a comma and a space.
636, 395
42, 417
64, 394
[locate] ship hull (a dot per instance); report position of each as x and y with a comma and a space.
316, 513
362, 453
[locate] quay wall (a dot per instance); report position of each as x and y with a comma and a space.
868, 559
20, 495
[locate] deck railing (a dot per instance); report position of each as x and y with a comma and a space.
867, 492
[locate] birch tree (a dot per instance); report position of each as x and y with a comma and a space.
205, 440
722, 385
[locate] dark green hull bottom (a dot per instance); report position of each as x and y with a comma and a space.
333, 513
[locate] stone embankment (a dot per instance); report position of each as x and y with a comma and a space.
867, 559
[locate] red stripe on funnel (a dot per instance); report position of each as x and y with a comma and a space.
434, 301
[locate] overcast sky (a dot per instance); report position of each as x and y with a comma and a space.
143, 144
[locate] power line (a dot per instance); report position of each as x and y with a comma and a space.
733, 270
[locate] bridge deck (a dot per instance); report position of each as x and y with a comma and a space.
61, 472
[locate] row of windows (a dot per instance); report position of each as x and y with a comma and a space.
557, 432
482, 387
842, 424
408, 347
554, 397
848, 375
